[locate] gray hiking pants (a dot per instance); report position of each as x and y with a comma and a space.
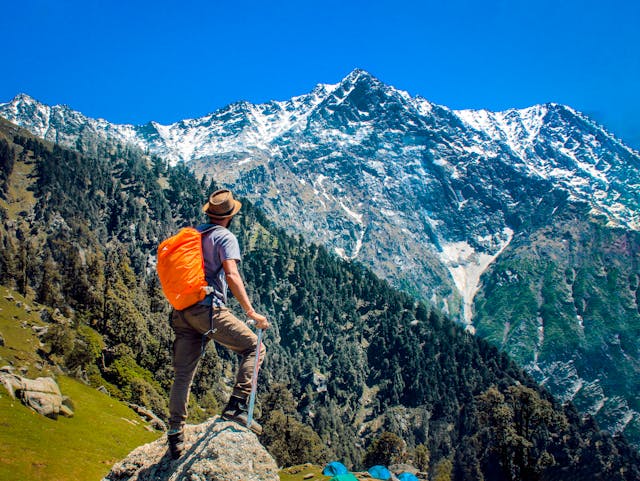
189, 326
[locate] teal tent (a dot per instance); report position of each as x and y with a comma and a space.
344, 477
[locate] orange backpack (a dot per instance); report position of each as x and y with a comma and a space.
181, 268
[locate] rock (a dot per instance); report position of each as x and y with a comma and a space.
9, 298
403, 468
40, 330
81, 375
154, 420
1, 340
42, 394
66, 408
216, 450
103, 390
45, 316
10, 382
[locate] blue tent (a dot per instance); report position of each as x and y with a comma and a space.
334, 468
379, 472
407, 477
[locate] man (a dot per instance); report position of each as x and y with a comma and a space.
212, 319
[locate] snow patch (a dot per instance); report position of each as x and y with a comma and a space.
356, 250
466, 265
389, 213
354, 215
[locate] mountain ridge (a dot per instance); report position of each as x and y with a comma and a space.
433, 199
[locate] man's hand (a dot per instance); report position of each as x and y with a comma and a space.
261, 321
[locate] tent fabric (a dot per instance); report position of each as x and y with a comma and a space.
379, 472
334, 468
344, 477
407, 477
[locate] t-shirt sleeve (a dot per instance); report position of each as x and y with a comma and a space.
229, 248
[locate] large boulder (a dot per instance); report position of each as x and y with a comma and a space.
41, 394
216, 450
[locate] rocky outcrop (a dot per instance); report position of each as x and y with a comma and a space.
155, 421
216, 450
41, 394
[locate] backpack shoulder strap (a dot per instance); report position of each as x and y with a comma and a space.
206, 228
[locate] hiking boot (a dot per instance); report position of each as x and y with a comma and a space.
176, 443
237, 410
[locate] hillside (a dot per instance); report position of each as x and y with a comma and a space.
349, 356
564, 301
32, 447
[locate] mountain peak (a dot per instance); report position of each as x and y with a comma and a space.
357, 73
22, 97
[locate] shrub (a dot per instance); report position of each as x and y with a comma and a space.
291, 442
387, 449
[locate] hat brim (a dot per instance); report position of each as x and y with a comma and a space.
236, 207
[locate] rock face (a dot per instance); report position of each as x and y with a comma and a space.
42, 394
215, 451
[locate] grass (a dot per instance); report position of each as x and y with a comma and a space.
85, 447
33, 447
21, 343
298, 473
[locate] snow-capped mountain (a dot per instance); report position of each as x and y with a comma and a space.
399, 156
435, 200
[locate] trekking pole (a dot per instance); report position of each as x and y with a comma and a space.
254, 380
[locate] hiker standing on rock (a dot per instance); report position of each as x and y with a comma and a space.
212, 319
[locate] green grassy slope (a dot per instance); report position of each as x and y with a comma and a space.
102, 432
33, 447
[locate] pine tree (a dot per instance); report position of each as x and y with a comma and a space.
48, 292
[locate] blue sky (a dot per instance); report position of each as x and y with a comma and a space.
135, 61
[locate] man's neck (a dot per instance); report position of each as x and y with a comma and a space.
221, 222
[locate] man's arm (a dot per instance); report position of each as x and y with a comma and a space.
234, 281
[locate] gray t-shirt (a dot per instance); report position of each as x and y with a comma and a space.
218, 244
